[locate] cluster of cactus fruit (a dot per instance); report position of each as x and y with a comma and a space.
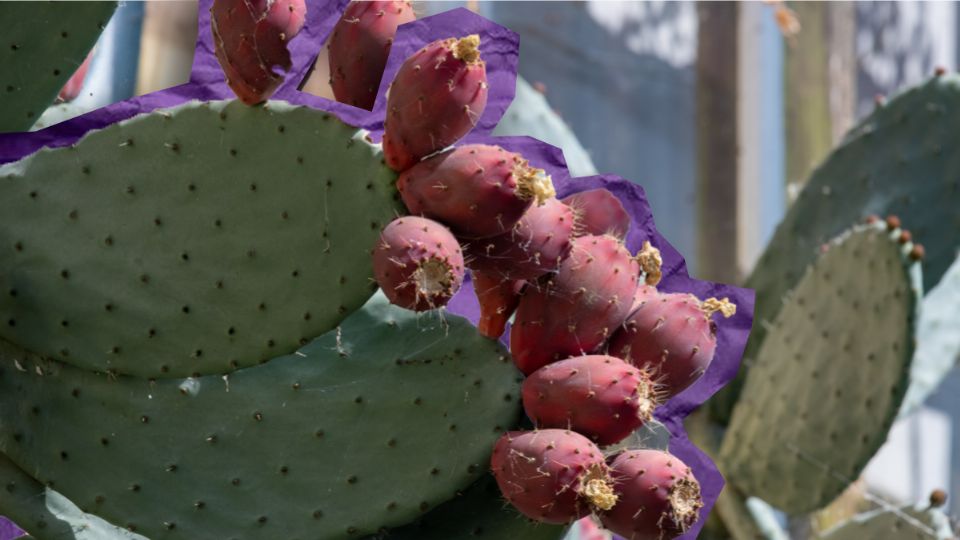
559, 268
111, 344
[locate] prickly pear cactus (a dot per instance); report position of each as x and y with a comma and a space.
908, 523
191, 241
44, 43
40, 508
361, 412
901, 160
938, 340
838, 353
530, 114
478, 512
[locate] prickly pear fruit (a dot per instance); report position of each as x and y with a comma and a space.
71, 90
418, 263
250, 38
645, 293
671, 337
599, 212
535, 246
498, 299
552, 475
477, 190
576, 310
599, 396
436, 98
658, 496
360, 45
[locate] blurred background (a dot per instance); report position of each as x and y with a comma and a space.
719, 110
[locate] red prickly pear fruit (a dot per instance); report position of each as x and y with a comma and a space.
599, 396
498, 299
671, 337
250, 38
645, 293
535, 246
599, 212
71, 90
658, 496
477, 190
418, 263
579, 308
552, 475
437, 96
359, 47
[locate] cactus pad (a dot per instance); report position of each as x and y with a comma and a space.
190, 241
902, 160
49, 514
530, 114
893, 524
481, 512
938, 340
339, 438
43, 44
830, 376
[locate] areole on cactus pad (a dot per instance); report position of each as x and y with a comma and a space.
371, 365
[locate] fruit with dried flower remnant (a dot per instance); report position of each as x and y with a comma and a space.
437, 96
418, 263
552, 475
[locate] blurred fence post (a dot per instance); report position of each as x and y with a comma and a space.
820, 85
717, 140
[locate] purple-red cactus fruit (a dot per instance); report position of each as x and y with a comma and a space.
418, 263
552, 475
599, 396
359, 47
645, 293
536, 245
498, 299
658, 496
576, 310
477, 190
671, 336
599, 212
250, 38
437, 96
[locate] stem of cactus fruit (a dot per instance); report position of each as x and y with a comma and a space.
467, 49
650, 263
724, 306
533, 183
597, 489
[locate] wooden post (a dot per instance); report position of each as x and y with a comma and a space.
820, 86
717, 135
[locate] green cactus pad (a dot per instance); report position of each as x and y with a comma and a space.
191, 241
43, 44
368, 426
49, 514
830, 376
902, 160
938, 340
893, 524
479, 512
530, 115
